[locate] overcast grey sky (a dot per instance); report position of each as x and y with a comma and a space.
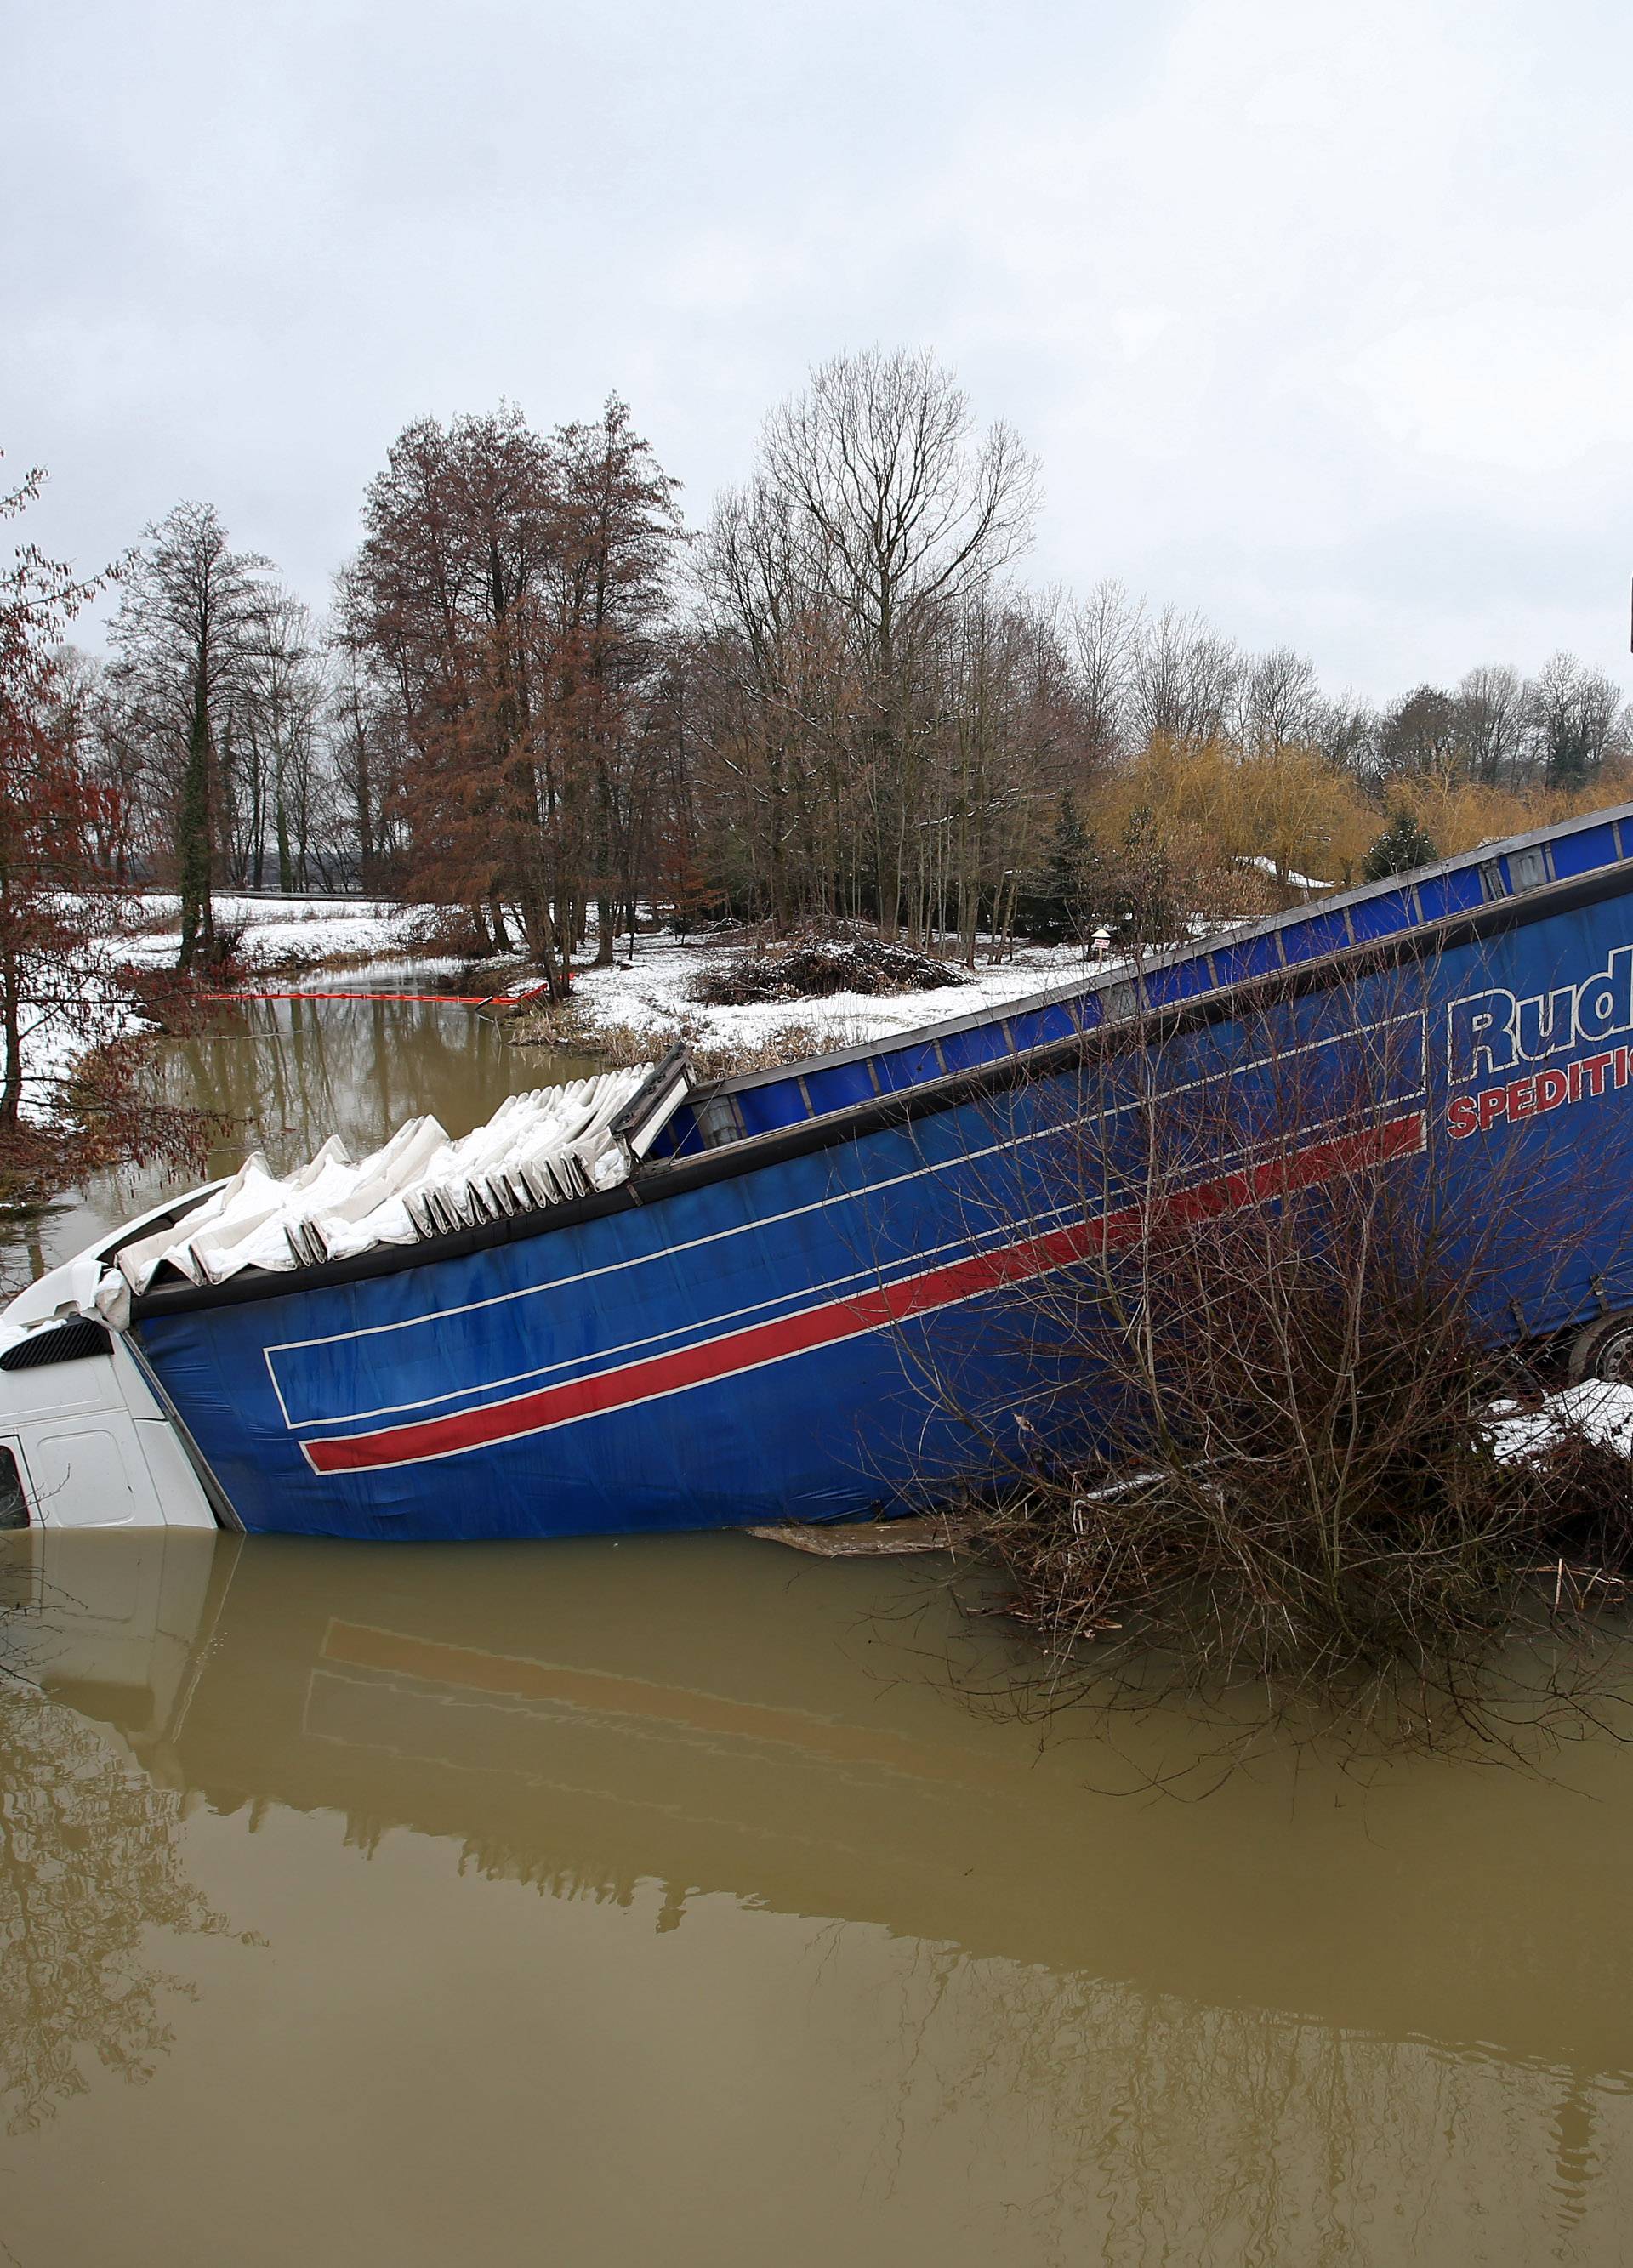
1316, 314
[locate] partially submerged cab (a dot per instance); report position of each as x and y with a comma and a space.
87, 1439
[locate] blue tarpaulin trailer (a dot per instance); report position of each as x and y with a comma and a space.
756, 1323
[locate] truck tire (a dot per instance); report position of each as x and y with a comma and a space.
1603, 1350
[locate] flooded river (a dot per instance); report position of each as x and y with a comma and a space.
605, 1903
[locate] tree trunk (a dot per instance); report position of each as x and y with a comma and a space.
11, 1084
198, 925
362, 801
280, 820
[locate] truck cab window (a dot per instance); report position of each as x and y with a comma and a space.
13, 1502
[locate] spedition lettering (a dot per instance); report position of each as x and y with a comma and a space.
1539, 1092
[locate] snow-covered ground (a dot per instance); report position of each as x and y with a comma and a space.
290, 931
657, 995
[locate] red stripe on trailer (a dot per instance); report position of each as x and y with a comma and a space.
734, 1352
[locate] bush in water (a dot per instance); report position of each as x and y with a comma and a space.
1264, 1453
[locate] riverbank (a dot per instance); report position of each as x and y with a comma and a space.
628, 1013
111, 999
631, 1011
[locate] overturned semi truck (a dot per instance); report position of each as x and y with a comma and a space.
643, 1303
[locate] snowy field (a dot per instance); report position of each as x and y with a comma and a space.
291, 932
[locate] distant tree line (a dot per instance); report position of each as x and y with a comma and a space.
540, 697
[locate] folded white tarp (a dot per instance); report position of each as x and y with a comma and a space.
537, 1149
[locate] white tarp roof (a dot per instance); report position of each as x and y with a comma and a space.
537, 1149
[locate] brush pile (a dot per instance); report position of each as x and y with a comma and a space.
817, 967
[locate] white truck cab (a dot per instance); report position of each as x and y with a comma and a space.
86, 1439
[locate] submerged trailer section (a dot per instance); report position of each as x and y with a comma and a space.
797, 1301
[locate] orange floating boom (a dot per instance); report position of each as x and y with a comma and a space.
453, 999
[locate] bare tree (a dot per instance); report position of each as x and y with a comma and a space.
608, 580
80, 720
189, 617
776, 654
1347, 733
1491, 722
1106, 631
365, 732
1576, 720
900, 516
1279, 702
1418, 737
1013, 740
276, 742
1184, 679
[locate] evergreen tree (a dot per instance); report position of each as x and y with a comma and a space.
1402, 847
1067, 898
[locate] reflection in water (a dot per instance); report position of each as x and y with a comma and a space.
1157, 2129
293, 1071
634, 1896
91, 1840
89, 1857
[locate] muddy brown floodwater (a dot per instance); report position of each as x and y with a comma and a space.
605, 1903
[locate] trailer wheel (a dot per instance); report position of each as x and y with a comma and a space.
1603, 1350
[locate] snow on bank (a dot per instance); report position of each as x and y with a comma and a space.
1597, 1409
652, 999
87, 1010
289, 932
656, 994
91, 1007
